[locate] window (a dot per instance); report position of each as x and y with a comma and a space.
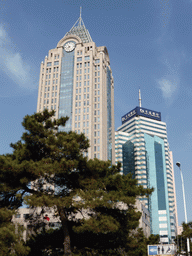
79, 125
17, 216
88, 63
83, 117
53, 75
75, 125
85, 70
76, 84
98, 67
76, 111
47, 101
95, 80
87, 82
57, 69
48, 64
87, 116
80, 65
95, 148
98, 73
55, 94
77, 78
76, 90
87, 123
54, 69
79, 97
95, 105
79, 111
57, 75
85, 77
88, 70
84, 89
87, 57
97, 61
79, 90
98, 98
98, 148
83, 124
79, 59
56, 81
55, 107
52, 101
75, 118
98, 86
84, 96
98, 79
79, 84
56, 87
85, 64
49, 76
49, 82
87, 109
87, 96
87, 89
56, 63
95, 86
77, 65
49, 70
77, 72
45, 89
45, 95
98, 105
98, 92
55, 100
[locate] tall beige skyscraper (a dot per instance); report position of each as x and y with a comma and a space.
76, 81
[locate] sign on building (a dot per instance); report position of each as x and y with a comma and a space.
162, 249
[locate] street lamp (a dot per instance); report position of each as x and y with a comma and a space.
179, 165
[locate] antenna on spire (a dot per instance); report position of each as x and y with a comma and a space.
80, 11
139, 98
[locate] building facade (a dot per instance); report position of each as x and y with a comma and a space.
141, 146
76, 81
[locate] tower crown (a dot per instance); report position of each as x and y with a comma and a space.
80, 30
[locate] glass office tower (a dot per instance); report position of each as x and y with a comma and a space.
141, 146
76, 81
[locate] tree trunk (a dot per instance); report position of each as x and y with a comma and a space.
67, 242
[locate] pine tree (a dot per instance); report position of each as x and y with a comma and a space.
48, 169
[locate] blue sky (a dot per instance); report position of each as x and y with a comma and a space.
149, 44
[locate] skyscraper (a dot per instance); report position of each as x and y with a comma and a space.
76, 81
142, 148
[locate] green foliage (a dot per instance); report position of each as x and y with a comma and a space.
48, 169
10, 240
181, 240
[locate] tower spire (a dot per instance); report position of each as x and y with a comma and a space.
80, 12
139, 98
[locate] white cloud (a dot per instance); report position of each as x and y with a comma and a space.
168, 87
12, 63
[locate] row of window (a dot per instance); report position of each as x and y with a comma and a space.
48, 88
56, 63
85, 90
84, 110
84, 117
52, 101
46, 95
86, 64
78, 97
49, 82
86, 83
49, 76
48, 70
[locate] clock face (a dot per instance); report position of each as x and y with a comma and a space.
69, 47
